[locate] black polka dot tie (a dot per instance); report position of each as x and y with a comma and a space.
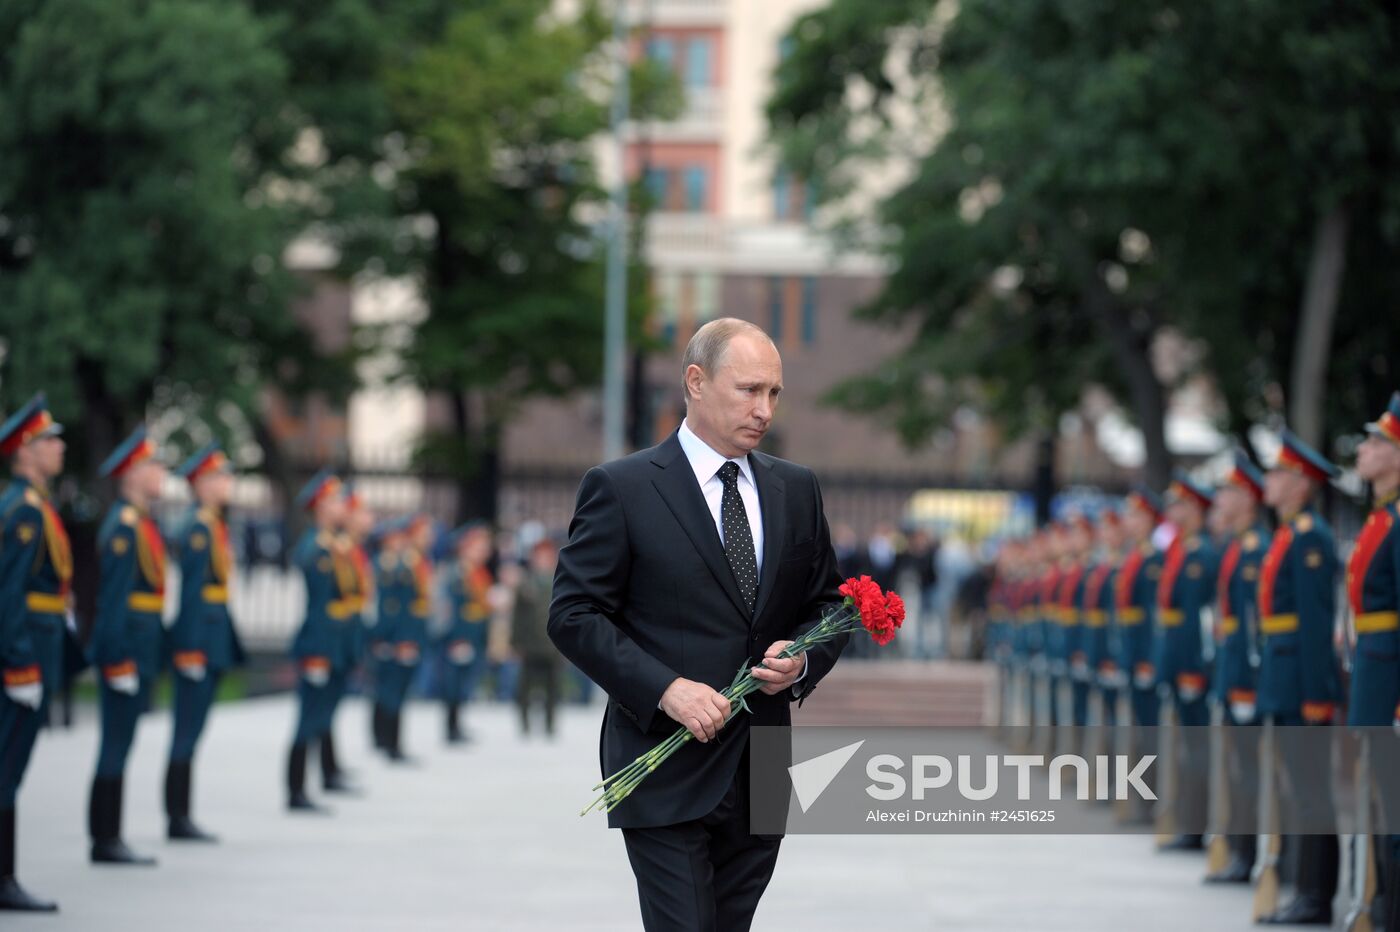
738, 535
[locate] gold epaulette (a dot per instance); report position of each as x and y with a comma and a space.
32, 497
1303, 523
129, 515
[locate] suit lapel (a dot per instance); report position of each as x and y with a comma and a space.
772, 503
681, 493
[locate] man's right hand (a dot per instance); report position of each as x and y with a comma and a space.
695, 706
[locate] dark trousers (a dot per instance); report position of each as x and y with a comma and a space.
1079, 702
542, 674
192, 701
19, 727
705, 875
1192, 741
120, 713
314, 707
1318, 855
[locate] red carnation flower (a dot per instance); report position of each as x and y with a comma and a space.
894, 608
870, 603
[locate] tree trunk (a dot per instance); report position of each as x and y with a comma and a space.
1307, 382
1132, 354
281, 475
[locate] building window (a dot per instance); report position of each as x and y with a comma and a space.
775, 309
662, 50
668, 305
782, 194
809, 311
699, 62
697, 184
657, 181
706, 297
792, 198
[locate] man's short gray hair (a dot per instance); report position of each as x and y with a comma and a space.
706, 349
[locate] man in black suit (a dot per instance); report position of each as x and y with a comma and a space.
685, 562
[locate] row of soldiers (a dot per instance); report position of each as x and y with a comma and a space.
1090, 615
368, 592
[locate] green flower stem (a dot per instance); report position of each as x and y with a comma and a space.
620, 785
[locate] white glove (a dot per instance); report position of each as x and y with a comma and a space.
317, 676
193, 671
128, 684
30, 695
461, 653
1242, 711
1144, 677
1079, 669
1188, 693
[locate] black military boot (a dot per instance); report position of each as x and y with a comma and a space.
334, 778
377, 727
13, 897
1318, 862
177, 805
1392, 896
105, 825
297, 800
1240, 867
1183, 843
395, 736
455, 734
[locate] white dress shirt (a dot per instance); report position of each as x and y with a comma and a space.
706, 463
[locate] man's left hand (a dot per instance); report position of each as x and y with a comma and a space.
778, 673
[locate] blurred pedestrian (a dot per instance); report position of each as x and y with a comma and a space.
540, 660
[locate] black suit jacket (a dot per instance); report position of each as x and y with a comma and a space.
643, 594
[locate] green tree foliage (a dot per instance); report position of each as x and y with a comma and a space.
140, 235
501, 118
1107, 171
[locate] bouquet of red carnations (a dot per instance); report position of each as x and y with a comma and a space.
865, 607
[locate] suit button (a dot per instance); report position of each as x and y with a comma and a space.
755, 639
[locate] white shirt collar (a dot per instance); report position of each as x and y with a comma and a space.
705, 460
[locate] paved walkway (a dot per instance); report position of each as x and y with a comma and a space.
489, 838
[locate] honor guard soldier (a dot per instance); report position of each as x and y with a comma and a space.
315, 647
1080, 547
1030, 644
394, 589
1186, 590
1134, 620
1299, 680
36, 572
1052, 632
411, 639
348, 633
1235, 685
1373, 601
1135, 604
464, 642
128, 636
203, 643
1099, 653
